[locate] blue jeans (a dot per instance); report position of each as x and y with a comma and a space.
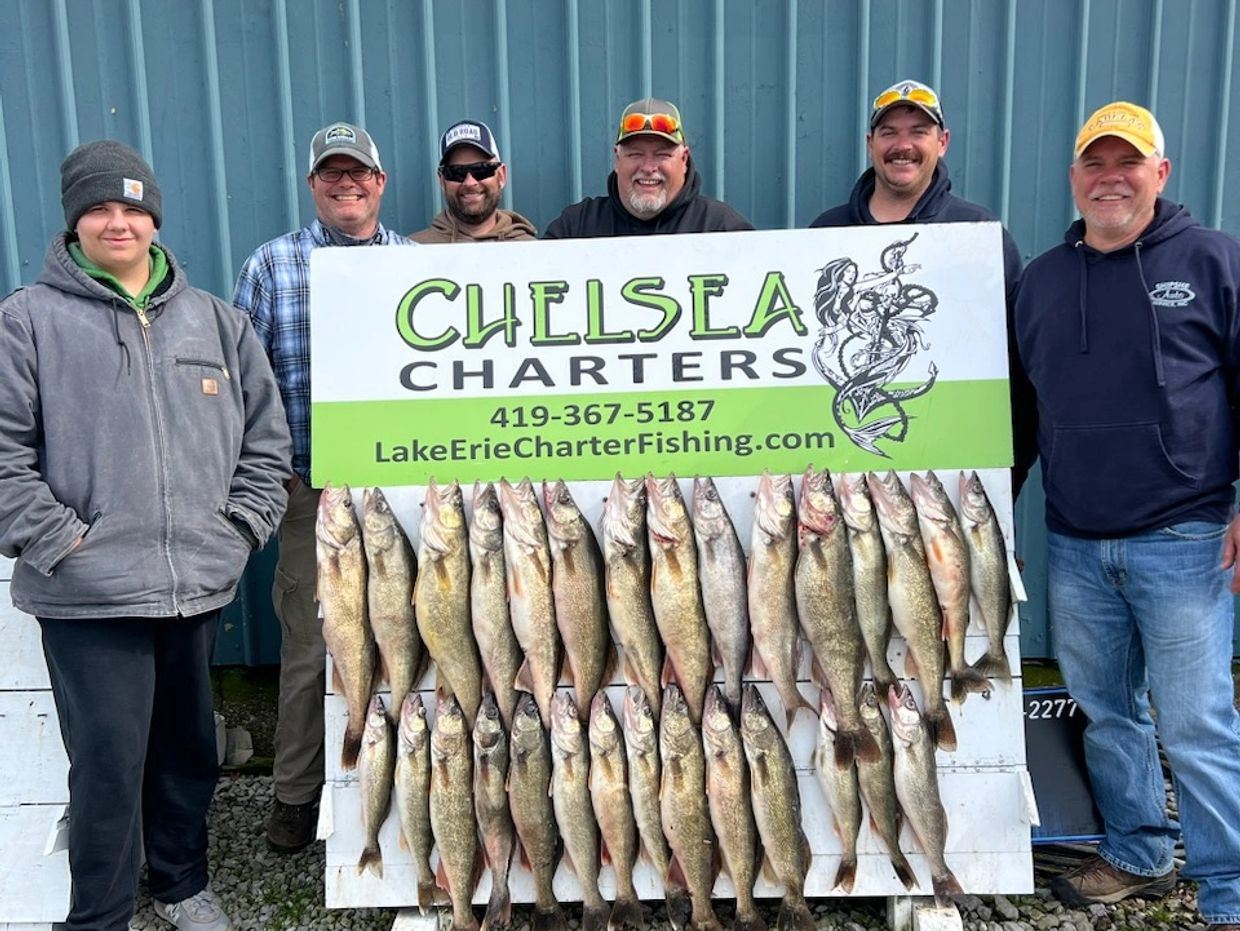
1147, 617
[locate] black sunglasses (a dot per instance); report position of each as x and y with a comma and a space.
480, 170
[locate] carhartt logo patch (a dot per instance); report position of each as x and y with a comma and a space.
133, 189
210, 386
1172, 294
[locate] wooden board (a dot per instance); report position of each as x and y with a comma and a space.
34, 887
30, 741
23, 667
984, 783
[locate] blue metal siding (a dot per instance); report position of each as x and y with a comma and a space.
222, 97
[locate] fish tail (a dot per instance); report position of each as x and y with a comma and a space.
794, 915
426, 888
550, 920
965, 680
994, 665
904, 872
352, 748
945, 886
371, 859
499, 908
846, 875
845, 749
678, 905
626, 914
595, 918
941, 728
750, 920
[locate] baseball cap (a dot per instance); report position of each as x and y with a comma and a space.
907, 94
468, 132
344, 139
1133, 124
651, 117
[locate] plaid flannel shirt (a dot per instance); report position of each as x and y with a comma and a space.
274, 289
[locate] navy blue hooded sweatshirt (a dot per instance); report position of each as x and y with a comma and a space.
1134, 357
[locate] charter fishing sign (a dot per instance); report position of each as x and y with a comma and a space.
720, 353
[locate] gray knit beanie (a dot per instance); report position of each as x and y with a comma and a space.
97, 172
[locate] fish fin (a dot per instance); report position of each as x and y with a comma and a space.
441, 878
911, 669
337, 682
968, 680
669, 673
994, 666
371, 859
867, 748
904, 872
817, 675
942, 731
794, 915
426, 889
768, 871
945, 887
626, 915
352, 748
676, 873
846, 875
757, 668
381, 673
525, 678
845, 749
610, 665
604, 852
679, 907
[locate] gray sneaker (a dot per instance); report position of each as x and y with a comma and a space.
201, 912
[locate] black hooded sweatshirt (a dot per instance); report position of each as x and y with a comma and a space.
690, 212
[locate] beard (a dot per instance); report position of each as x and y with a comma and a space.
476, 212
646, 206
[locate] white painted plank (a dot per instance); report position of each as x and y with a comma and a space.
988, 848
34, 888
23, 666
35, 766
6, 568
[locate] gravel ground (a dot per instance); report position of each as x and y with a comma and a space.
280, 893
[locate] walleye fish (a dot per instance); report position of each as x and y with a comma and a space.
574, 812
441, 597
914, 605
341, 591
947, 556
641, 745
452, 810
682, 800
491, 808
878, 787
917, 787
721, 571
776, 808
488, 602
828, 614
772, 598
626, 572
528, 563
988, 574
529, 801
869, 564
577, 589
412, 787
731, 813
609, 794
389, 595
839, 785
677, 600
375, 775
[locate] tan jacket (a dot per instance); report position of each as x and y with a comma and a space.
509, 227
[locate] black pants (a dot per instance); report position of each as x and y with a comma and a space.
134, 700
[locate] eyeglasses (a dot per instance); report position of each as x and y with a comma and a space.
480, 170
332, 175
657, 122
922, 95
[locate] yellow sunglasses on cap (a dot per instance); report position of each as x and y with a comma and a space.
922, 95
656, 122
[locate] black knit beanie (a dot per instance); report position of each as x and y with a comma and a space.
97, 172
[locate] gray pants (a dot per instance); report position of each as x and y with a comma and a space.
298, 768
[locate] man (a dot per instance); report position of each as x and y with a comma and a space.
1130, 332
472, 177
908, 182
654, 187
144, 455
347, 181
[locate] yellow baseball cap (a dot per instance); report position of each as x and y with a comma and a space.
1127, 121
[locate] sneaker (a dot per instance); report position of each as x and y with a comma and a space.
201, 912
1098, 882
291, 827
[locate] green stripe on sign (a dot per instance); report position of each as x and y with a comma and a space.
718, 432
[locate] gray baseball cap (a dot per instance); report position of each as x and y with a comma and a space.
344, 139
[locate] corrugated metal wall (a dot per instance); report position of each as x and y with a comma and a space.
222, 97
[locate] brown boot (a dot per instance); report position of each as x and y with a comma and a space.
1098, 882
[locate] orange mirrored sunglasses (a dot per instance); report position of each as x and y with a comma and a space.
920, 95
656, 122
